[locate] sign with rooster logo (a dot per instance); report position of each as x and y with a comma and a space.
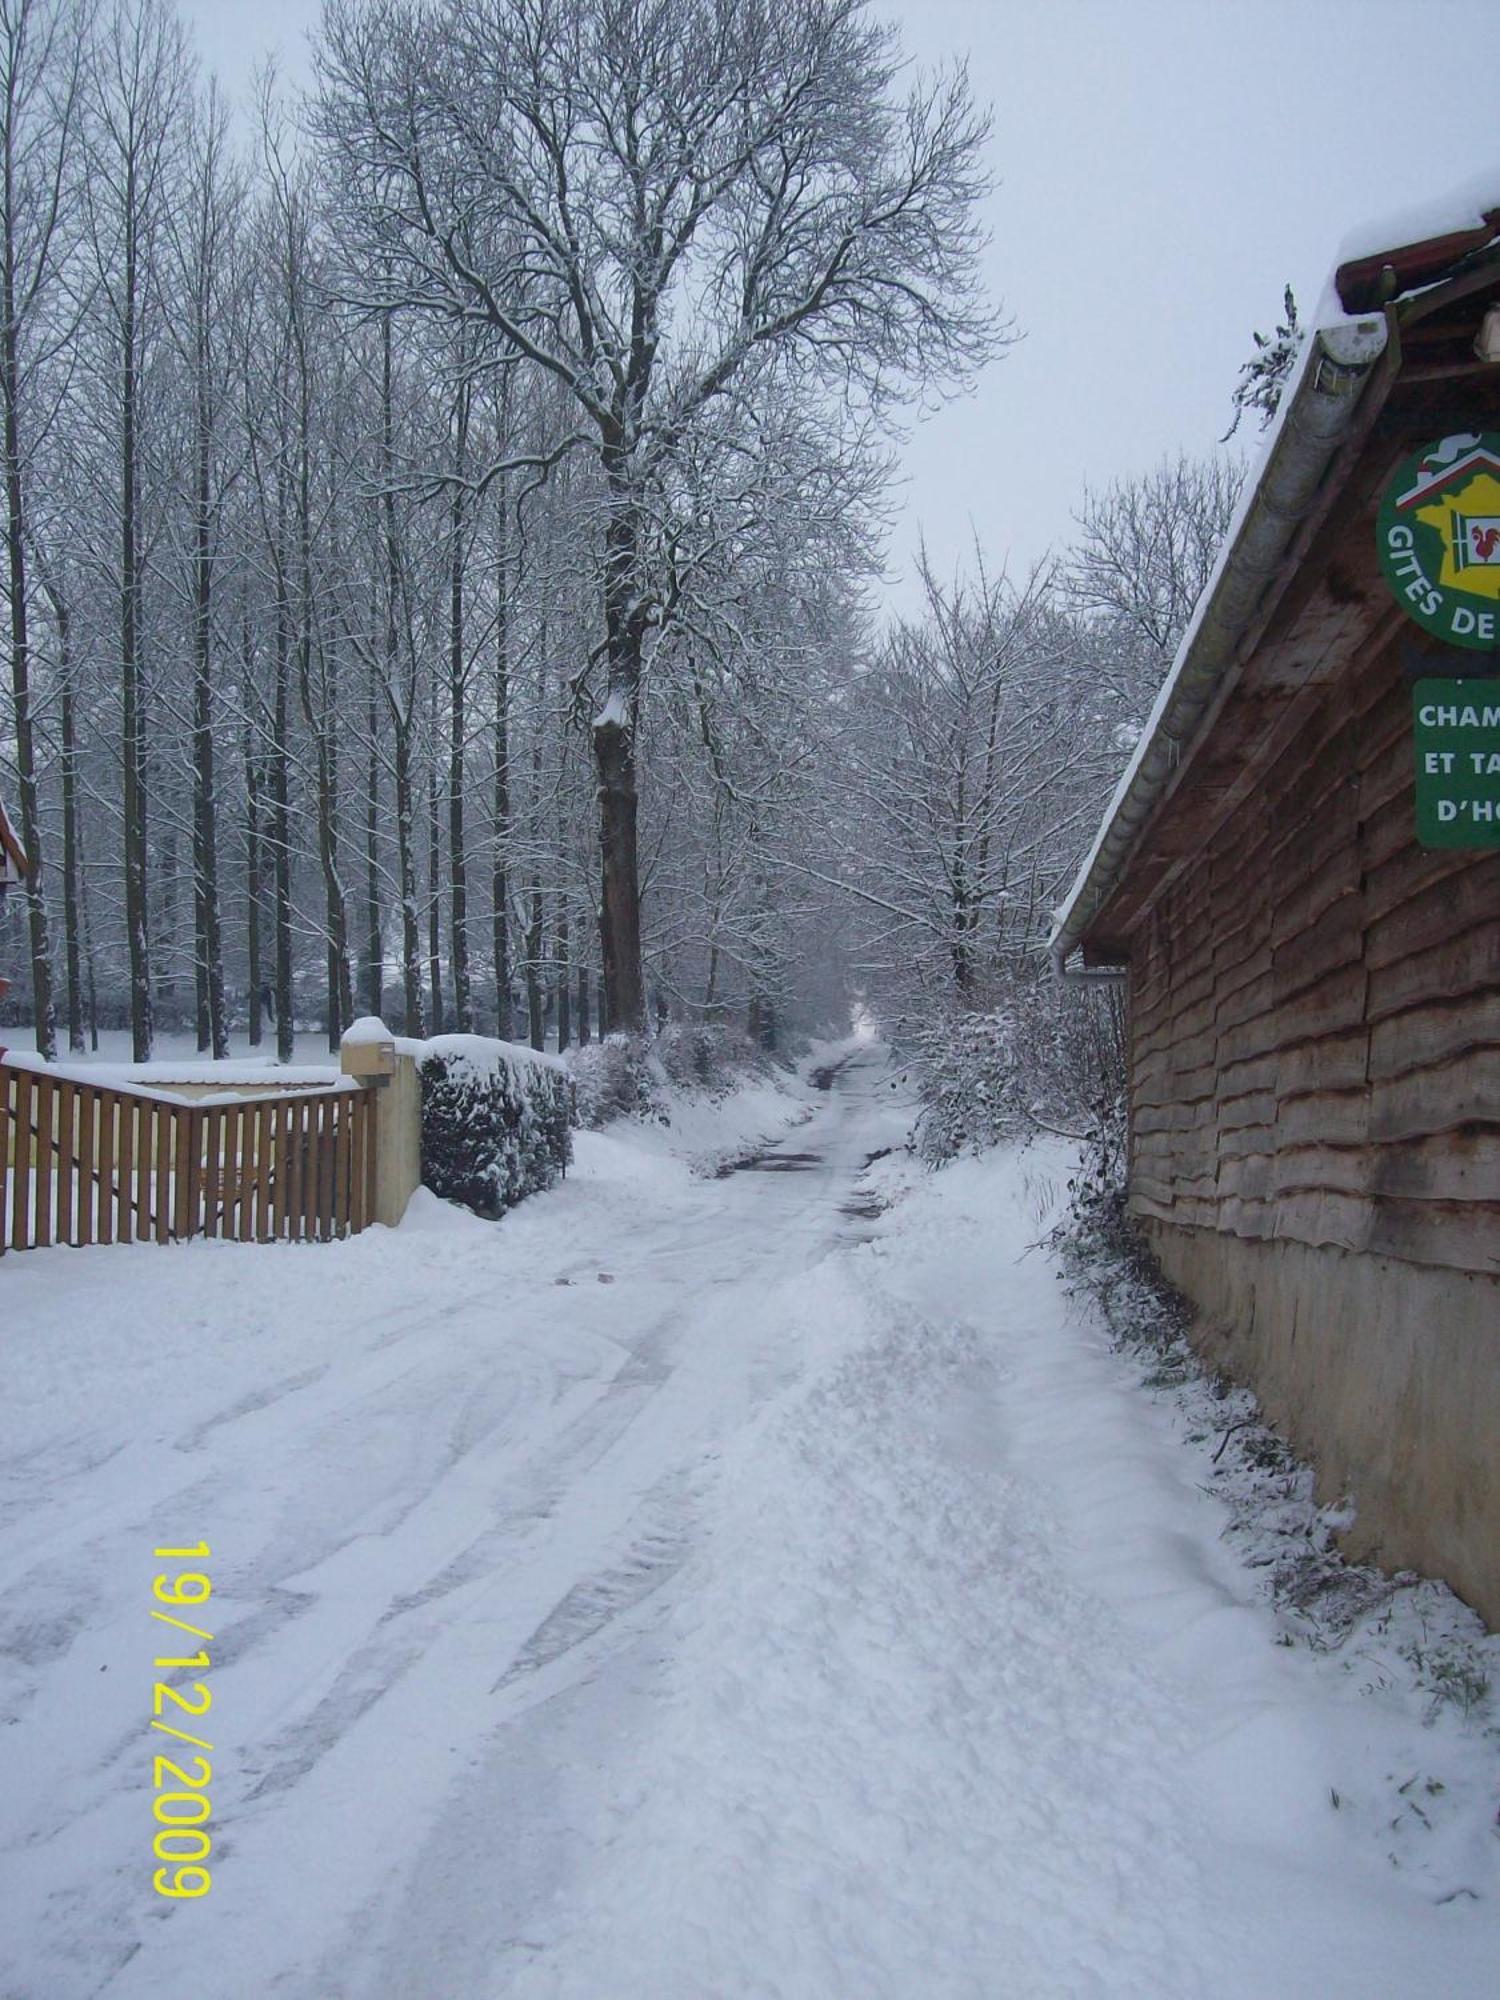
1439, 536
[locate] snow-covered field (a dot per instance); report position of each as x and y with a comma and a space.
686, 1589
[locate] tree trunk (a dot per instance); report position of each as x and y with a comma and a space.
500, 817
281, 807
434, 897
620, 896
535, 1002
89, 966
132, 695
406, 862
614, 763
208, 954
564, 996
583, 1004
320, 712
253, 970
403, 712
372, 972
458, 865
44, 1016
72, 857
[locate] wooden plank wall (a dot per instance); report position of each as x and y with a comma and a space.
83, 1163
1316, 1011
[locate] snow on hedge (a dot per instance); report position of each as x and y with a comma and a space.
496, 1120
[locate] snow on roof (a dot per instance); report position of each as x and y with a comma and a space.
1381, 261
1473, 204
14, 866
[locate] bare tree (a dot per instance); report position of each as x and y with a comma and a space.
656, 206
41, 75
204, 233
1148, 545
140, 83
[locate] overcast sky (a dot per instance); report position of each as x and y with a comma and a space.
1164, 168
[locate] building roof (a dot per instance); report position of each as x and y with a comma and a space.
14, 866
1372, 297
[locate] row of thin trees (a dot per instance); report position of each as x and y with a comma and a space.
437, 516
388, 498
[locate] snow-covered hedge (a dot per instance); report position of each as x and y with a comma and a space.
1041, 1054
496, 1121
614, 1079
624, 1075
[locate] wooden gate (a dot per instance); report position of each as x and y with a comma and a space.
103, 1163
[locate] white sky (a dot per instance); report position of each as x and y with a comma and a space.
1165, 167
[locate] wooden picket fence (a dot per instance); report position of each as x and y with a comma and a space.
95, 1163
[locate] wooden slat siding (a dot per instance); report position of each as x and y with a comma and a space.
81, 1163
260, 1128
20, 1183
67, 1158
7, 1140
244, 1156
1468, 1025
213, 1168
280, 1126
125, 1169
1461, 1093
309, 1158
88, 1171
327, 1112
1469, 964
320, 1126
328, 1170
106, 1173
312, 1193
259, 1169
186, 1174
357, 1162
43, 1171
161, 1154
135, 1114
343, 1199
1340, 1083
1421, 921
296, 1185
370, 1167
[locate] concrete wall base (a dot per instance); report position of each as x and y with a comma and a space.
1386, 1375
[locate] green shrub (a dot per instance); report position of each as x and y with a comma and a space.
496, 1121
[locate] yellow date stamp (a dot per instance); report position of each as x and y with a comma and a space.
180, 1805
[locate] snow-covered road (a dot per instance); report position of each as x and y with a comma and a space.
688, 1589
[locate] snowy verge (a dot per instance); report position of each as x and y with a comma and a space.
1401, 1639
970, 1687
707, 1095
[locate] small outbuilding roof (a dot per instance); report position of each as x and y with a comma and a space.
14, 866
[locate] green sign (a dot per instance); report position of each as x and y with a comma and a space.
1456, 734
1439, 538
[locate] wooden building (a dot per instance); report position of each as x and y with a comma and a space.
1314, 993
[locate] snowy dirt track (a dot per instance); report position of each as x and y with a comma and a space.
689, 1588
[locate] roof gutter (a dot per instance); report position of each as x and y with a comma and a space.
1317, 417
